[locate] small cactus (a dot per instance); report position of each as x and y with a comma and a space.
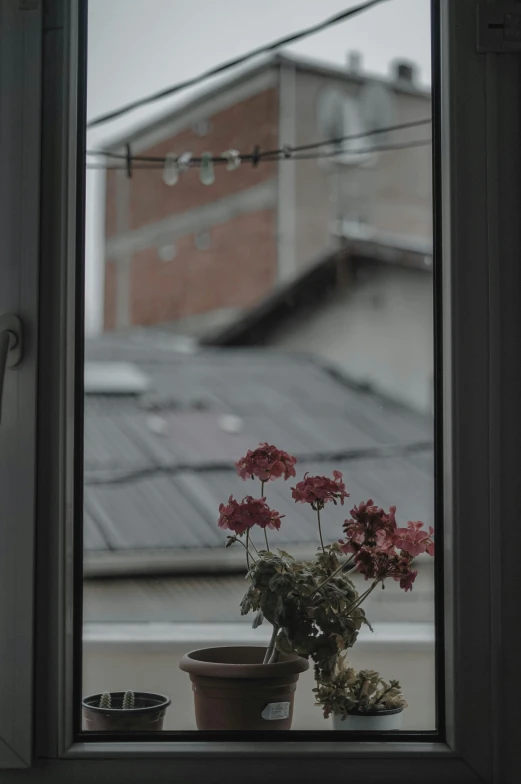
105, 701
128, 700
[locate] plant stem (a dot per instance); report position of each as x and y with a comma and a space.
265, 534
361, 598
335, 573
271, 646
247, 549
320, 530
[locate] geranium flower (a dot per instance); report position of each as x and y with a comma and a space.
407, 580
267, 463
240, 516
318, 490
415, 539
370, 525
377, 564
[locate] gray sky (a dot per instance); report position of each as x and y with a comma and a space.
139, 46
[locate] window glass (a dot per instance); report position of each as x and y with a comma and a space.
236, 298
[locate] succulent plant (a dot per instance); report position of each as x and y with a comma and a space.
365, 691
128, 700
105, 700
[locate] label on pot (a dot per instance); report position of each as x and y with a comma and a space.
276, 710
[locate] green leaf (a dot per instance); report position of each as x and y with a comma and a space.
258, 619
282, 584
272, 607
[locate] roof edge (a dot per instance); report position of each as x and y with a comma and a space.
264, 62
210, 561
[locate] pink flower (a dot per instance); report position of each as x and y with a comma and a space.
414, 539
369, 525
318, 490
407, 580
240, 516
377, 564
267, 463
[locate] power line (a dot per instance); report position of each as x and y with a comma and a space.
157, 165
103, 118
284, 151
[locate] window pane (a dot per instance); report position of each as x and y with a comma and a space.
282, 299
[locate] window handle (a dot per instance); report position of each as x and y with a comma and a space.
10, 347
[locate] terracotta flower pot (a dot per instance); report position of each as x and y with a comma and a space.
376, 721
234, 690
146, 716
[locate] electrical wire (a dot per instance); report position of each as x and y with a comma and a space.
281, 151
157, 166
288, 39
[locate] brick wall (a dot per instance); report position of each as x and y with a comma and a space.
240, 265
237, 270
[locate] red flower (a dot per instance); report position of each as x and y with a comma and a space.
378, 564
267, 463
318, 490
240, 516
407, 580
369, 525
414, 539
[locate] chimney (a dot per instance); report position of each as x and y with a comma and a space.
404, 72
354, 62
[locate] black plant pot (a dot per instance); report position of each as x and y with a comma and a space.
146, 716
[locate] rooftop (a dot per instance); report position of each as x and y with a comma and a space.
158, 462
244, 73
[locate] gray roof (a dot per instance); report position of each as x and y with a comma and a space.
246, 72
158, 464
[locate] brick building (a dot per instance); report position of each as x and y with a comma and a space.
176, 254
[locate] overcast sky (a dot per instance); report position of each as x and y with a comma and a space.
137, 47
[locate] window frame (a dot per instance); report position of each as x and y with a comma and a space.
477, 125
19, 221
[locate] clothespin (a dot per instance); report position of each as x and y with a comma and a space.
128, 160
255, 156
206, 173
171, 169
183, 162
287, 152
234, 159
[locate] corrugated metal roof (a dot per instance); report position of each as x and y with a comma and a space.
157, 466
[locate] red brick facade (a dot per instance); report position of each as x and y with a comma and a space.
239, 266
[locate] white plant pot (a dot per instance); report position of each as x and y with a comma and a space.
369, 722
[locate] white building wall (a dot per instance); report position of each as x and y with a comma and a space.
145, 657
378, 330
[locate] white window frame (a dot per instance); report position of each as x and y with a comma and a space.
478, 161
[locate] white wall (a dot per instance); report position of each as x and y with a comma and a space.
146, 657
378, 329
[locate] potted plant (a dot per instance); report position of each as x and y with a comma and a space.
127, 711
313, 606
361, 700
